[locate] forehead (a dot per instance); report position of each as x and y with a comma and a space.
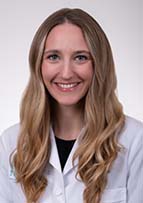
66, 35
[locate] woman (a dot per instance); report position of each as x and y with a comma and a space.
73, 144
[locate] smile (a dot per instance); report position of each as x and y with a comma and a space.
67, 86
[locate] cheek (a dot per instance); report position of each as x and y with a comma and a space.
46, 73
87, 74
90, 72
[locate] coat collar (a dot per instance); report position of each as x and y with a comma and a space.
54, 157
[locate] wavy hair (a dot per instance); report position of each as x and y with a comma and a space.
103, 114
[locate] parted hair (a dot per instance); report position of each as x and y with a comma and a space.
103, 114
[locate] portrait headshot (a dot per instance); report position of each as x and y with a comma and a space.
75, 136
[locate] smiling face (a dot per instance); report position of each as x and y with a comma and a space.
67, 66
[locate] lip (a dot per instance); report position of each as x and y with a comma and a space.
67, 87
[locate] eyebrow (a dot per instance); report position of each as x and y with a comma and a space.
51, 51
57, 51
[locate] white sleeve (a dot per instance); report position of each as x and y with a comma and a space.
135, 176
5, 190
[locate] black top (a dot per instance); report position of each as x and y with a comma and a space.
64, 148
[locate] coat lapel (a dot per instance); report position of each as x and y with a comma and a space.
54, 157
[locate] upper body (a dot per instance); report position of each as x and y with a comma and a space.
71, 95
124, 179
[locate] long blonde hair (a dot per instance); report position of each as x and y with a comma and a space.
103, 114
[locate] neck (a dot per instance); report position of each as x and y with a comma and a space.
68, 121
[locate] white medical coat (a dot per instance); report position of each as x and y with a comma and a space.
125, 180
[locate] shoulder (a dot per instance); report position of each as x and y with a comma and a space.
9, 137
132, 133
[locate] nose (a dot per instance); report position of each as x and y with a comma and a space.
67, 70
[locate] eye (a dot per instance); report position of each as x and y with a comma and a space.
53, 57
81, 58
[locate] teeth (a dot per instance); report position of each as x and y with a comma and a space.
66, 86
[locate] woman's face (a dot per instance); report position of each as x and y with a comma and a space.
67, 66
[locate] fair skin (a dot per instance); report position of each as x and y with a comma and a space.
67, 73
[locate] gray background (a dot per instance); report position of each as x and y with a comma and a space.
122, 21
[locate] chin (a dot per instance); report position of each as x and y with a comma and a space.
71, 100
68, 103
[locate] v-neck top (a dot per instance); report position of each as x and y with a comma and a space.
64, 148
